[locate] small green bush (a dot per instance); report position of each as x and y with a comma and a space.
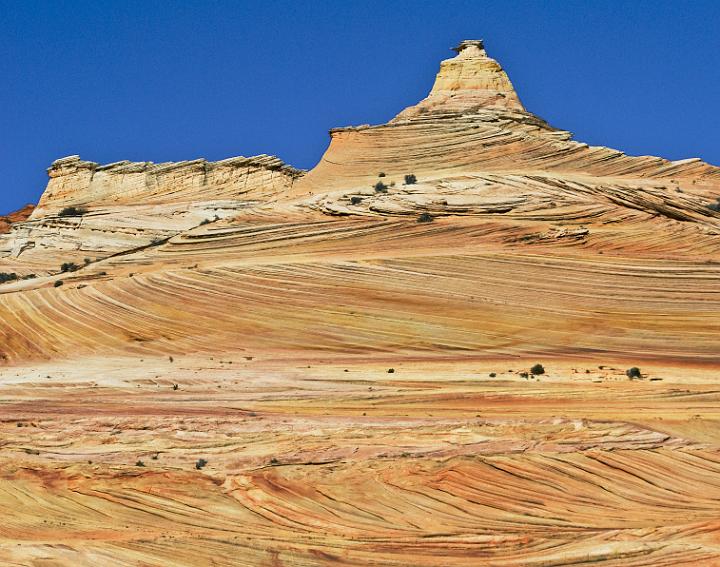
204, 222
410, 179
633, 373
58, 283
714, 206
537, 369
72, 212
139, 464
8, 277
200, 464
380, 187
381, 174
426, 217
355, 200
69, 267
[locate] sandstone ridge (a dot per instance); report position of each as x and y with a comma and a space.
75, 182
241, 364
472, 123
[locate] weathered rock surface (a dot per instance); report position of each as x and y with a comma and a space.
313, 377
90, 212
20, 215
74, 182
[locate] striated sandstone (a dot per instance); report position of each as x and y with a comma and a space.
466, 83
356, 381
17, 216
75, 182
127, 206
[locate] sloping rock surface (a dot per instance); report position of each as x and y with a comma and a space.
244, 364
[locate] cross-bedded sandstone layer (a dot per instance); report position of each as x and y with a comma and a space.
20, 215
257, 366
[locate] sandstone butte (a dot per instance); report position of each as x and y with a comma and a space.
254, 365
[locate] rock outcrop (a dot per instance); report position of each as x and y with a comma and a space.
265, 368
472, 135
20, 215
90, 211
469, 82
75, 182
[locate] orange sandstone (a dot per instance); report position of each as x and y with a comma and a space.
212, 385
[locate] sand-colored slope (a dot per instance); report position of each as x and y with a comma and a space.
359, 287
346, 464
356, 380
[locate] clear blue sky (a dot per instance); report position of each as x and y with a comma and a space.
168, 81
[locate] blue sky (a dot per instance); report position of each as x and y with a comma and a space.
168, 81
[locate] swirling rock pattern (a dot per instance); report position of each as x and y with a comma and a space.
261, 367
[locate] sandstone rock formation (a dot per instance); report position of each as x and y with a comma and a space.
90, 211
74, 182
18, 216
262, 367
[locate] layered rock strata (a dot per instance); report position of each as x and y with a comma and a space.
75, 182
263, 368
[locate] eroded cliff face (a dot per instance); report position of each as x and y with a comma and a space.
74, 182
469, 82
90, 211
20, 215
260, 367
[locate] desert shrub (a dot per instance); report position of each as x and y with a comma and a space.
8, 277
410, 179
29, 277
425, 217
355, 200
633, 373
139, 464
380, 187
72, 212
537, 369
391, 371
204, 222
58, 283
69, 267
176, 386
492, 375
524, 375
381, 174
714, 206
200, 463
